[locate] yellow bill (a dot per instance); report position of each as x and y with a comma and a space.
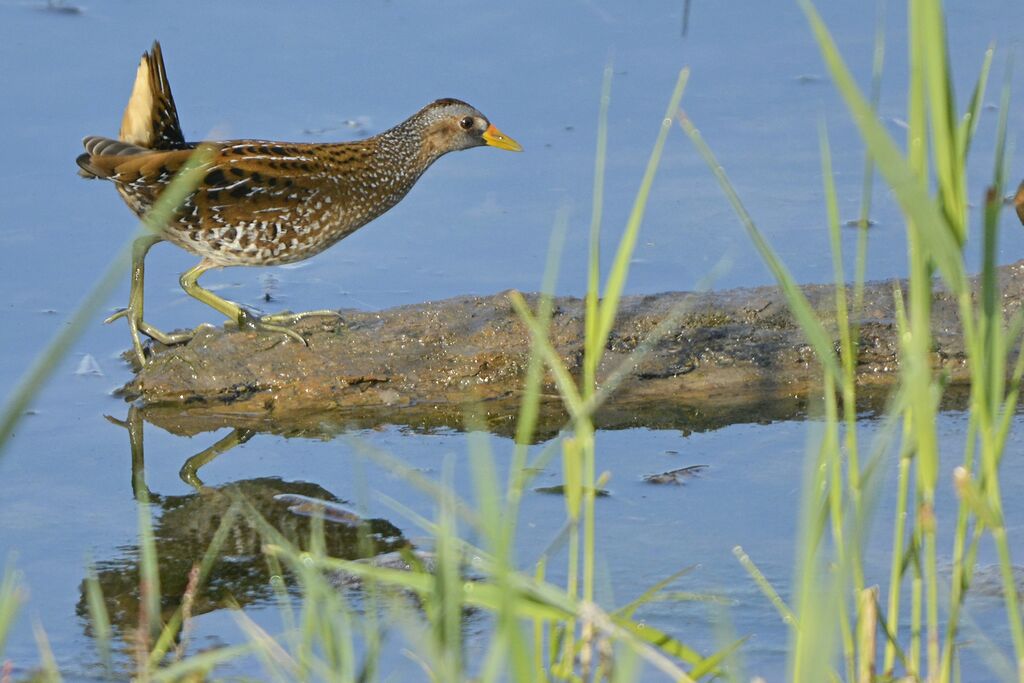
495, 138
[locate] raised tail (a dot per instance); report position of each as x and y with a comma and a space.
151, 120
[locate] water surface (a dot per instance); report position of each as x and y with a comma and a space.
477, 223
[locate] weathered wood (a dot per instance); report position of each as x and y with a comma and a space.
736, 353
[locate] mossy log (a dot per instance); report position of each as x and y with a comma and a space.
736, 355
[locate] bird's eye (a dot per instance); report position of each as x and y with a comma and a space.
466, 122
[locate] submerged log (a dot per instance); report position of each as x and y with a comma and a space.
737, 355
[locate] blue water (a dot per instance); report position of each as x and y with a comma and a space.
478, 222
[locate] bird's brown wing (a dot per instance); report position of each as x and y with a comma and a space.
245, 181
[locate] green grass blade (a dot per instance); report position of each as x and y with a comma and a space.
627, 611
47, 361
935, 234
662, 642
711, 664
12, 595
945, 147
199, 665
969, 123
566, 385
99, 618
798, 304
49, 672
594, 260
620, 265
765, 585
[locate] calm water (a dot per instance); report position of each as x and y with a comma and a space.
477, 223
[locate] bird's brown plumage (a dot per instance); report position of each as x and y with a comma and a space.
259, 202
264, 203
267, 203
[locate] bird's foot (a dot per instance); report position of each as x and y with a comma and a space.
136, 325
249, 321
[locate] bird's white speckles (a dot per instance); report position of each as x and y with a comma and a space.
283, 202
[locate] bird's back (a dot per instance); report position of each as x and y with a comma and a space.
257, 201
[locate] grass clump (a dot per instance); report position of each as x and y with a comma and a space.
842, 628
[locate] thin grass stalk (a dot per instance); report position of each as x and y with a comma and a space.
945, 151
327, 650
798, 304
448, 601
49, 671
848, 363
283, 601
538, 600
1006, 567
992, 448
599, 320
867, 186
766, 587
573, 486
918, 375
877, 68
529, 406
47, 362
99, 618
198, 666
809, 658
627, 244
988, 371
174, 633
832, 462
507, 648
897, 556
12, 596
309, 617
907, 492
590, 484
867, 193
276, 661
149, 585
563, 379
812, 634
591, 361
963, 555
668, 325
867, 630
914, 666
540, 665
416, 477
969, 122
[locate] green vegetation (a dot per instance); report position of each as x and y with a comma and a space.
837, 621
842, 629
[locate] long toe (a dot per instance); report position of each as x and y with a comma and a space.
166, 338
281, 329
292, 318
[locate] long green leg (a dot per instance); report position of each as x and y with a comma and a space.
133, 314
245, 319
190, 470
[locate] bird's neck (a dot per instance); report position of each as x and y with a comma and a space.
411, 136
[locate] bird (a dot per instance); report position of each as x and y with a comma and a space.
258, 202
1018, 202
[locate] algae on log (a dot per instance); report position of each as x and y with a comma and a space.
735, 355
